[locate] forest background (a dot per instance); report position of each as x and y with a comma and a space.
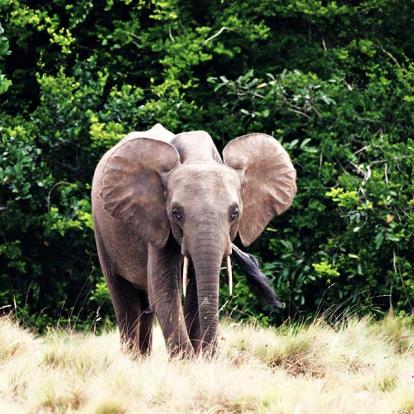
332, 80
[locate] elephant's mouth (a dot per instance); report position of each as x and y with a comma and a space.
186, 262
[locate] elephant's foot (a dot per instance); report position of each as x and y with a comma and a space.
180, 349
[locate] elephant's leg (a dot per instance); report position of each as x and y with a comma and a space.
165, 298
129, 311
145, 326
191, 311
125, 298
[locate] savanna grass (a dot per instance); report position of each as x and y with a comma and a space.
357, 366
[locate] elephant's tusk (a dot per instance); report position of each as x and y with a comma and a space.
185, 272
230, 274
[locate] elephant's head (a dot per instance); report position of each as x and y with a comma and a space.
184, 188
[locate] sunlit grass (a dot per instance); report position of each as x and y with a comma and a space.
356, 367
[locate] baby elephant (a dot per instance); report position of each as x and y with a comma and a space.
166, 209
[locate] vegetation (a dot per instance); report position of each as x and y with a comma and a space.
332, 80
358, 366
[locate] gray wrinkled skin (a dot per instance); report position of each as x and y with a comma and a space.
157, 197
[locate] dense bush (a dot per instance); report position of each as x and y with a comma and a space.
333, 81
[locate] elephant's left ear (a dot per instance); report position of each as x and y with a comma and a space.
269, 181
131, 186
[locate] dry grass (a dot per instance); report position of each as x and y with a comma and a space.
358, 367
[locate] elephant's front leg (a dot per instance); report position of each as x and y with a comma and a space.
191, 312
165, 298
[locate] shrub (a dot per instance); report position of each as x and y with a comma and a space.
333, 82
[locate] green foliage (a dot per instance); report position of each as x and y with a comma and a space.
333, 82
4, 51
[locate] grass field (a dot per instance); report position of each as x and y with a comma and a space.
357, 367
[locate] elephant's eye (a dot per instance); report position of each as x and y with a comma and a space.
234, 213
177, 214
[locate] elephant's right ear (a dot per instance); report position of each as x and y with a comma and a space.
269, 183
131, 187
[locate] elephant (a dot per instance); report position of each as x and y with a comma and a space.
166, 210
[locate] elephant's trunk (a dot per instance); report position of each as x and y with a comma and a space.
207, 254
207, 275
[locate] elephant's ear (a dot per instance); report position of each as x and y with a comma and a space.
269, 181
131, 187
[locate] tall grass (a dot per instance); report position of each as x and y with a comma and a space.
356, 367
